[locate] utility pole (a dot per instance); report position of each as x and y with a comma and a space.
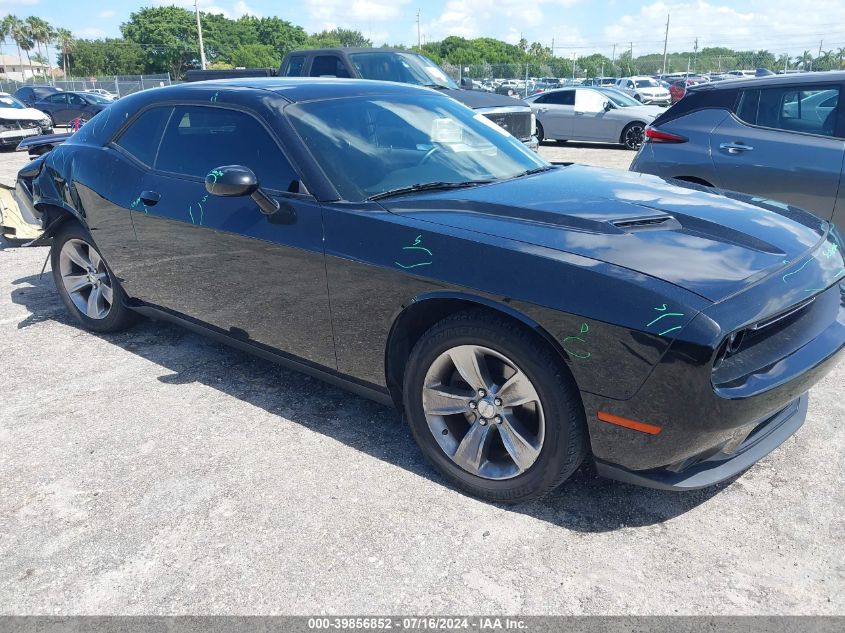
820, 51
613, 60
695, 55
419, 37
665, 45
199, 34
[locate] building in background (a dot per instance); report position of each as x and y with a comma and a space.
12, 67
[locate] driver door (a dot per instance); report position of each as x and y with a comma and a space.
590, 123
220, 260
556, 112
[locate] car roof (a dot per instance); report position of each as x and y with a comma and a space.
293, 89
774, 80
346, 51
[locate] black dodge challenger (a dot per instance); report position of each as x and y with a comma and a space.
524, 316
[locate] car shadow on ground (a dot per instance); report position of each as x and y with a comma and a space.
582, 145
585, 503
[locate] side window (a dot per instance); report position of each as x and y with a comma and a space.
630, 84
564, 97
199, 138
589, 101
328, 66
295, 65
57, 98
746, 109
809, 109
542, 99
142, 137
76, 100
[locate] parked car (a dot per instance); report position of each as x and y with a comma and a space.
525, 316
780, 137
64, 107
602, 81
28, 95
679, 88
402, 66
646, 90
18, 121
103, 93
591, 114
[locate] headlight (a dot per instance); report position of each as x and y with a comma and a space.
45, 122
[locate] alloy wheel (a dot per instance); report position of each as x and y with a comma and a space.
634, 136
86, 279
484, 412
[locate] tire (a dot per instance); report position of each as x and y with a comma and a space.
638, 98
547, 433
561, 141
76, 262
633, 135
541, 136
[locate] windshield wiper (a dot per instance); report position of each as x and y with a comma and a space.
428, 186
535, 170
436, 86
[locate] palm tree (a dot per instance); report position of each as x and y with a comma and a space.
64, 38
12, 26
40, 32
841, 56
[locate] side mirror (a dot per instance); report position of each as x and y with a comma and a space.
235, 180
608, 106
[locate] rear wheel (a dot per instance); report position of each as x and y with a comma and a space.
87, 287
493, 408
633, 135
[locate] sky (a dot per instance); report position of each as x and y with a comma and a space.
574, 26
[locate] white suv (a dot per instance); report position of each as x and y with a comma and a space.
645, 89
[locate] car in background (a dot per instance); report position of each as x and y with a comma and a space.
401, 66
63, 107
780, 138
601, 81
28, 95
611, 317
17, 121
646, 90
103, 93
678, 89
603, 115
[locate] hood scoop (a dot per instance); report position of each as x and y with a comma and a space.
664, 222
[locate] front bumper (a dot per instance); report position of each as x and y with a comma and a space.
708, 470
15, 224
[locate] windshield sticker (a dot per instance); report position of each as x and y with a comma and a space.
667, 314
214, 97
571, 343
446, 131
418, 252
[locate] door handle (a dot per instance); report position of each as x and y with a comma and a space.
541, 110
150, 198
735, 148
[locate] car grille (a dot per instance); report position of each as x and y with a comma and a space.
517, 123
6, 126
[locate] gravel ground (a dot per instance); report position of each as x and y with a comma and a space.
156, 472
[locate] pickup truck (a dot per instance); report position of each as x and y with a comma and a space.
385, 64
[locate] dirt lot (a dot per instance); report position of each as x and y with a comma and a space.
157, 472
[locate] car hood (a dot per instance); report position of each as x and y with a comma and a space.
709, 244
477, 99
21, 114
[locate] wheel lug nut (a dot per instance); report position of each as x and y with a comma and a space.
498, 402
482, 393
498, 419
482, 421
472, 405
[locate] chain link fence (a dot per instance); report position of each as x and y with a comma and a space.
120, 85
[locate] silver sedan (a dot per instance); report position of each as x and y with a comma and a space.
603, 115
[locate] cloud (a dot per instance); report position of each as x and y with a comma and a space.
345, 11
242, 8
206, 6
776, 25
504, 19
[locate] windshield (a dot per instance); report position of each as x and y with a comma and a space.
94, 97
618, 98
403, 68
647, 83
8, 101
369, 146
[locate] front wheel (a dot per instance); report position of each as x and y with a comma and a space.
493, 408
86, 286
541, 135
633, 135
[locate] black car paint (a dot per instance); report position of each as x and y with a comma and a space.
569, 253
28, 95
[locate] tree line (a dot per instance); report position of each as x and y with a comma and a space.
164, 40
